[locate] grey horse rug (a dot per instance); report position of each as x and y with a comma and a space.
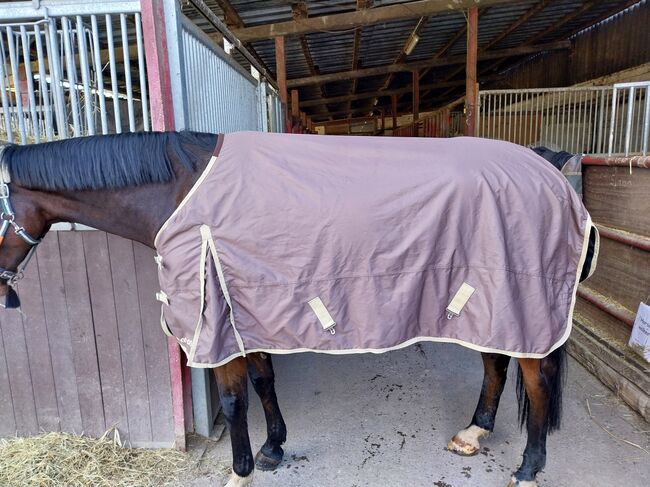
293, 243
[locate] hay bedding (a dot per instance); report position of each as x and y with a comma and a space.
62, 459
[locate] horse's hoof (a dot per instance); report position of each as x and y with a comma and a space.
466, 442
521, 483
266, 463
237, 481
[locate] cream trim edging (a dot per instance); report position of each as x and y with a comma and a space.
205, 236
478, 348
190, 193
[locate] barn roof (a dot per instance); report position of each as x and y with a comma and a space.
519, 29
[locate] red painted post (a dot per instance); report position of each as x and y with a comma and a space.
393, 109
281, 78
162, 118
472, 56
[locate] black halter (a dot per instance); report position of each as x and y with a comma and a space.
8, 219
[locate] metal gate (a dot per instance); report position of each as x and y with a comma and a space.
71, 69
595, 120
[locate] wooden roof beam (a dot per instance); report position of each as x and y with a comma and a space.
397, 68
378, 94
358, 18
356, 47
300, 11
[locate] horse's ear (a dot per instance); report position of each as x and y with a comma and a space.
12, 301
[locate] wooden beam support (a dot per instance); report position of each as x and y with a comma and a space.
378, 94
470, 77
393, 109
295, 104
402, 55
619, 8
518, 23
397, 68
300, 11
281, 77
361, 5
416, 94
358, 18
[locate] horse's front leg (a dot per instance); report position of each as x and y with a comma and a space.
233, 393
260, 371
540, 408
466, 442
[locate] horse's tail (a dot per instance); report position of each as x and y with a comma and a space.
556, 378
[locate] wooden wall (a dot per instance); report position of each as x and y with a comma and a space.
614, 46
617, 200
88, 352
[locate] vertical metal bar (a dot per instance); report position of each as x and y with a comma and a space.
646, 121
16, 79
55, 60
127, 71
46, 106
144, 99
30, 84
612, 126
628, 124
6, 106
85, 76
114, 87
72, 75
99, 73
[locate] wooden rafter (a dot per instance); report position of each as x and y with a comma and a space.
376, 94
234, 20
361, 5
619, 8
358, 18
300, 11
396, 68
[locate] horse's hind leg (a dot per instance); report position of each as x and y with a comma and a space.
260, 371
466, 442
540, 403
233, 393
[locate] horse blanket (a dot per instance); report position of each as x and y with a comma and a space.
292, 243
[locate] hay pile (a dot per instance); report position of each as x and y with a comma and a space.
61, 459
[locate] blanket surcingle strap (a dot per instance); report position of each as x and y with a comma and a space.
293, 243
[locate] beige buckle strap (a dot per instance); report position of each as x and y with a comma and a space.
459, 300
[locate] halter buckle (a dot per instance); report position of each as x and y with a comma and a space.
4, 191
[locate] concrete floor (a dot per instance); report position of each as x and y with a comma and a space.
384, 420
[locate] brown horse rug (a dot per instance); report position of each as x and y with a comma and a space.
293, 243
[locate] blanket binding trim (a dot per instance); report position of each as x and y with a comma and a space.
583, 255
197, 184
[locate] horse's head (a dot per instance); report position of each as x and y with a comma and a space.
21, 226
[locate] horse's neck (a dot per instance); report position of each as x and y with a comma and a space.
135, 213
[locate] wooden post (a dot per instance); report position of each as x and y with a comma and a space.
383, 120
470, 79
393, 107
281, 78
162, 118
416, 95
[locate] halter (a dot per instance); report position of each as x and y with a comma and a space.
7, 219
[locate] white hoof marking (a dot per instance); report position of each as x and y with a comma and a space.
237, 481
466, 441
522, 483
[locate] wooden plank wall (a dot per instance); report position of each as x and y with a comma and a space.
87, 353
617, 45
619, 200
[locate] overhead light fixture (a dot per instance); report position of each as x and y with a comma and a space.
411, 43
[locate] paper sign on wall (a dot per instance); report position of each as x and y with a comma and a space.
640, 338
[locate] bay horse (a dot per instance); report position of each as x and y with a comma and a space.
129, 185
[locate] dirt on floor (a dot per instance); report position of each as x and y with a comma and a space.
384, 421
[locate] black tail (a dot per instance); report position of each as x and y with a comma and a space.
557, 364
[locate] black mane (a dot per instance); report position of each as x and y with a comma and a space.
103, 161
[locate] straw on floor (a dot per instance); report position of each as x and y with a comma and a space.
57, 459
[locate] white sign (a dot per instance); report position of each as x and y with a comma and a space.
640, 339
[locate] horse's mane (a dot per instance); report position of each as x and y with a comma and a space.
104, 161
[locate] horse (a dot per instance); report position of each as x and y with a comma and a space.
129, 185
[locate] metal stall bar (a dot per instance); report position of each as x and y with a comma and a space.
114, 88
127, 71
30, 84
143, 73
16, 79
85, 76
97, 61
6, 106
43, 84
